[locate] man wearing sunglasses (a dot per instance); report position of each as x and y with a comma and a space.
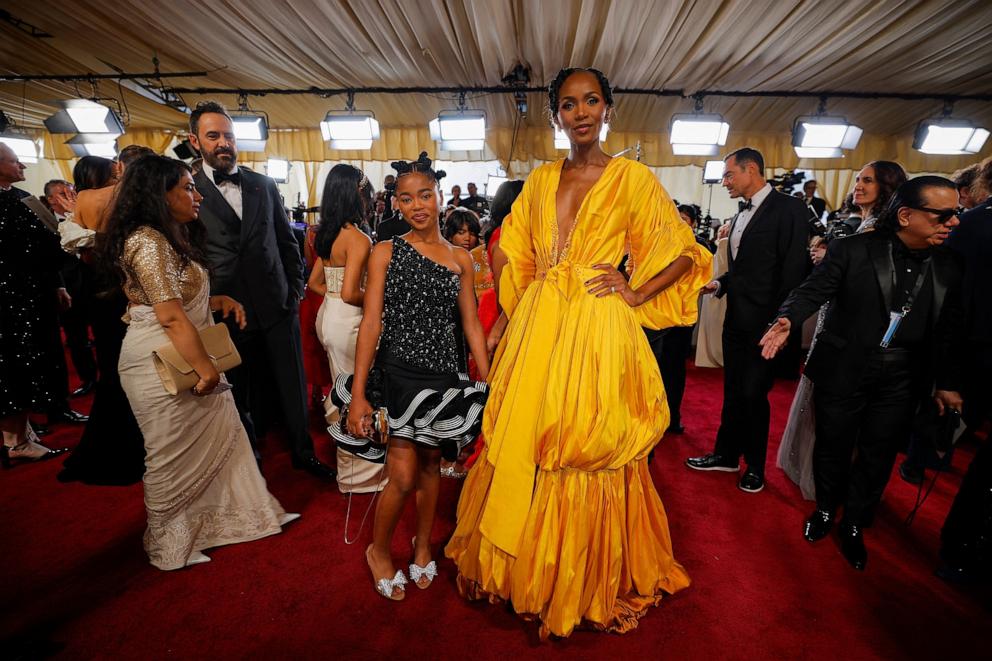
892, 336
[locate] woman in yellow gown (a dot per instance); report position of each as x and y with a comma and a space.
559, 515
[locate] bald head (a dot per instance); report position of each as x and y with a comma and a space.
11, 168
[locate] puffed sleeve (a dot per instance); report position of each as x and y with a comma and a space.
658, 236
516, 242
152, 266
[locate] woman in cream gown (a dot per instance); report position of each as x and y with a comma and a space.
559, 515
202, 485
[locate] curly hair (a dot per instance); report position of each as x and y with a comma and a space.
345, 200
459, 218
141, 201
554, 89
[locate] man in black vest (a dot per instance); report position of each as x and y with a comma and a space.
892, 334
255, 259
768, 258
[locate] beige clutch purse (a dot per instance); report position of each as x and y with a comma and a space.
177, 375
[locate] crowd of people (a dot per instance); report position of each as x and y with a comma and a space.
534, 344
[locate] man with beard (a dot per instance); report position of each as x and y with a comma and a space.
255, 259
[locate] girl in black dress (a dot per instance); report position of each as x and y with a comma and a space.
419, 291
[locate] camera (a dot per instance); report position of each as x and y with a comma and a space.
786, 181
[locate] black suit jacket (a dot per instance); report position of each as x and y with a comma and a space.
819, 206
856, 276
772, 259
256, 259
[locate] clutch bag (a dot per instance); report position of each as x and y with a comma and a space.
178, 375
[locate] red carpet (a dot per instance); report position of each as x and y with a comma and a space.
76, 583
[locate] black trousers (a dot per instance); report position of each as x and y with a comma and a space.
76, 326
671, 348
747, 379
966, 538
869, 420
272, 369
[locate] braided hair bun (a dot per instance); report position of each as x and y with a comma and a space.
421, 165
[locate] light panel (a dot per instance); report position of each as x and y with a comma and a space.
94, 144
459, 130
25, 148
713, 172
350, 130
819, 152
694, 150
699, 129
278, 169
823, 136
251, 131
84, 116
949, 136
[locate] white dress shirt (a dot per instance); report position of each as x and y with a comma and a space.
230, 192
744, 217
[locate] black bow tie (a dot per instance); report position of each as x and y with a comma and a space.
221, 177
745, 206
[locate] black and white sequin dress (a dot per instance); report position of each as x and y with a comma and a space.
429, 400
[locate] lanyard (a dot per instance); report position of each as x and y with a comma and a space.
896, 316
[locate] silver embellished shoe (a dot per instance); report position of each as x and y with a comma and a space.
417, 572
391, 589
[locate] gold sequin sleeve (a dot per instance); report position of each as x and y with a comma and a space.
153, 271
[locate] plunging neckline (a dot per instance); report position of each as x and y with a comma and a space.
425, 257
559, 254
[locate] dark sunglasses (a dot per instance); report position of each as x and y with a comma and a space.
943, 215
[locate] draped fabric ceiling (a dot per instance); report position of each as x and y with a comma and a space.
921, 46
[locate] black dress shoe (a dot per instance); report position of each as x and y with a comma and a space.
713, 462
40, 429
83, 389
751, 481
852, 545
818, 525
67, 415
314, 466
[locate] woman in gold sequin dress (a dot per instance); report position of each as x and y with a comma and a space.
202, 485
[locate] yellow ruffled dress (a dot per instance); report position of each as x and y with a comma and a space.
559, 515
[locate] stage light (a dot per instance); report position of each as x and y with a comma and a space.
459, 130
84, 116
713, 172
698, 134
345, 129
94, 144
277, 169
949, 136
251, 130
493, 183
23, 145
823, 136
561, 139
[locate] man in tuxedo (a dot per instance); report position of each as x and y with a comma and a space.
255, 259
393, 226
892, 336
474, 201
817, 204
767, 259
964, 551
456, 197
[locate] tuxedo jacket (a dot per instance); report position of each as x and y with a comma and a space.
857, 277
819, 206
772, 259
255, 259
